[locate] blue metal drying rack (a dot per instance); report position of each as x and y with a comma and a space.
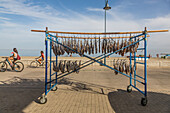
51, 84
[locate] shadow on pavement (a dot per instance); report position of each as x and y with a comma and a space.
123, 102
17, 93
83, 86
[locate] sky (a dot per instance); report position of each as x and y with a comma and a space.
18, 17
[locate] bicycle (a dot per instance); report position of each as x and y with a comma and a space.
17, 65
35, 64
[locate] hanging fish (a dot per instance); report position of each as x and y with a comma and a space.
111, 46
129, 48
138, 43
79, 63
78, 47
54, 66
132, 69
69, 45
62, 48
60, 64
103, 46
75, 66
63, 66
85, 46
99, 44
118, 47
126, 68
95, 45
71, 65
54, 49
114, 46
115, 67
91, 45
108, 46
132, 47
121, 46
81, 45
125, 44
93, 49
68, 66
88, 46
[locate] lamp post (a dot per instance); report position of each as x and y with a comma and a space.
106, 8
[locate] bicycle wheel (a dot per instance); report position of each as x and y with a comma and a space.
3, 66
48, 64
18, 66
34, 64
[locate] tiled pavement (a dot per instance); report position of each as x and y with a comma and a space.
93, 90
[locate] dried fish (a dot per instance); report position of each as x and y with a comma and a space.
68, 66
99, 44
103, 46
63, 67
95, 45
54, 49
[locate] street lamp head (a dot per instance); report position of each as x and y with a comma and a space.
107, 6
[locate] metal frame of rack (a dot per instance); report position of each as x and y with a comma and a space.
51, 84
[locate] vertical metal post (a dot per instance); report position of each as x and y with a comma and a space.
56, 63
50, 59
105, 8
46, 59
105, 39
145, 55
135, 69
130, 63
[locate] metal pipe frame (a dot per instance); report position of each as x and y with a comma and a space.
46, 66
93, 60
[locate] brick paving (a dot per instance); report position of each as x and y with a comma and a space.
93, 90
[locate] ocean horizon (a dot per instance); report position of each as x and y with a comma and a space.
36, 52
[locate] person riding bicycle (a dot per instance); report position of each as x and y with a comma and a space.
41, 57
14, 57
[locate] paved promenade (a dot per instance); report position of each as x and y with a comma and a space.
93, 90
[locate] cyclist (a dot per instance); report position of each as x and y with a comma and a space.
41, 57
13, 57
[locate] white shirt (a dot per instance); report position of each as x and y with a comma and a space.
15, 55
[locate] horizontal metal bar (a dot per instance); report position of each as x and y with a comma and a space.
139, 76
140, 62
138, 89
140, 48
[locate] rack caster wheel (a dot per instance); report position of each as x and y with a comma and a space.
54, 88
144, 101
129, 89
43, 99
77, 71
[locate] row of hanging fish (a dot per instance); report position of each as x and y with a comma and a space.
67, 66
123, 66
94, 46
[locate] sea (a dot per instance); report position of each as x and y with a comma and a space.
36, 52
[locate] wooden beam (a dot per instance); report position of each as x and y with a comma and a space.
109, 33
